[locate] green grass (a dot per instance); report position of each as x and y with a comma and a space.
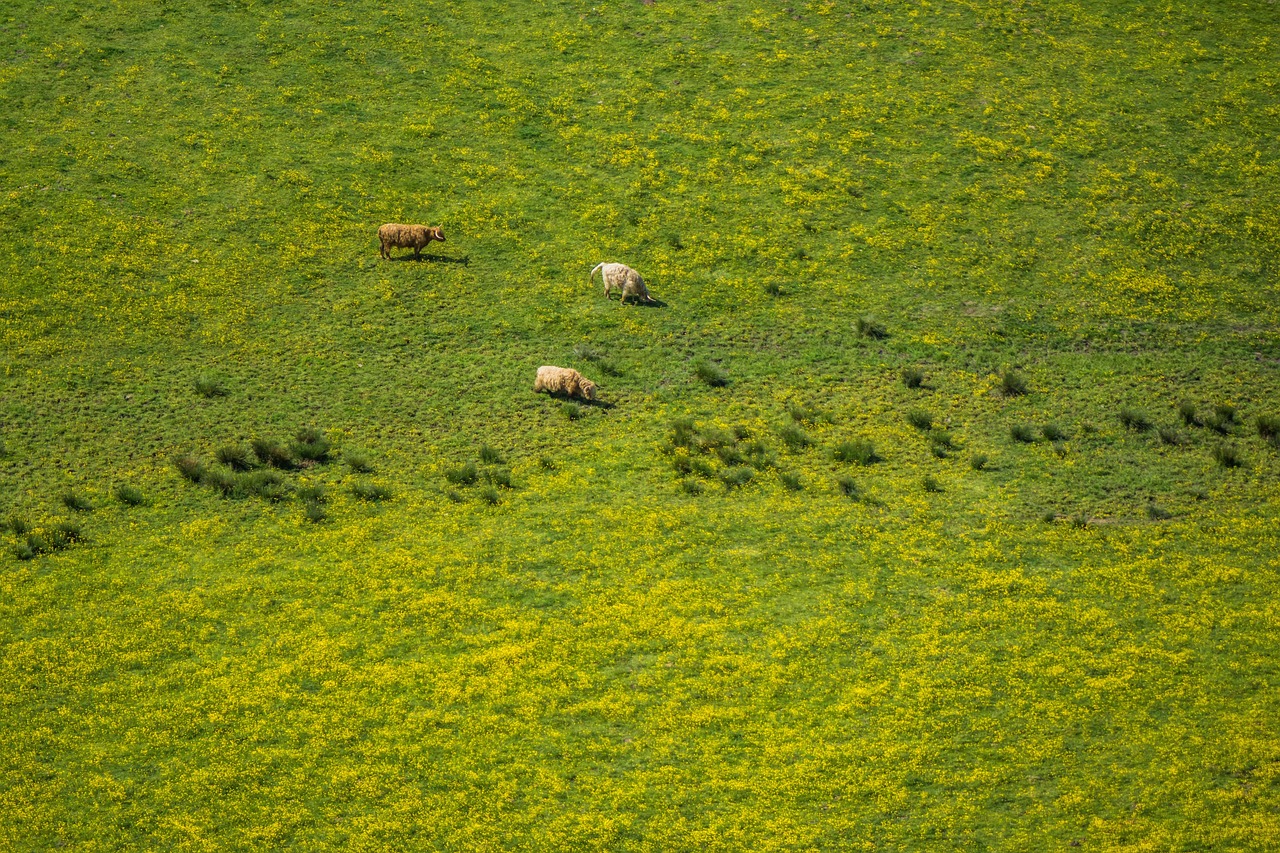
617, 654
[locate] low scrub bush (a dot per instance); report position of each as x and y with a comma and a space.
1187, 410
490, 496
24, 551
490, 455
371, 492
1079, 521
499, 477
311, 445
921, 420
1023, 433
978, 461
860, 451
314, 512
912, 377
736, 476
940, 438
267, 485
129, 495
730, 454
683, 433
773, 288
848, 486
272, 453
1227, 413
790, 481
1053, 432
76, 502
710, 374
1171, 437
1155, 512
870, 327
1228, 456
18, 525
1135, 420
209, 386
314, 493
804, 414
794, 438
234, 457
931, 484
691, 487
1269, 428
546, 463
358, 462
462, 475
66, 533
189, 467
223, 482
1013, 384
572, 411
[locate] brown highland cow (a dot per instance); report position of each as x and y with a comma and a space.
564, 381
395, 236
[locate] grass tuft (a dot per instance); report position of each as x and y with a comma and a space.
870, 327
710, 374
848, 486
931, 484
691, 487
490, 496
490, 455
1155, 512
18, 525
790, 481
912, 377
370, 492
462, 475
1269, 429
736, 476
189, 467
499, 477
773, 289
794, 438
1171, 437
1135, 420
572, 410
315, 494
129, 495
860, 451
76, 502
1187, 410
921, 420
598, 358
1053, 432
1228, 456
66, 533
272, 453
1013, 384
358, 462
234, 457
1023, 433
314, 512
978, 461
311, 445
546, 463
803, 414
209, 386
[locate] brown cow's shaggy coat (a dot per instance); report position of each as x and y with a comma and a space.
396, 236
564, 381
624, 278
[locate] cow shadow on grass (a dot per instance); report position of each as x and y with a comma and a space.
465, 260
640, 303
602, 405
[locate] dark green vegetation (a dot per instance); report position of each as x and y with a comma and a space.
683, 617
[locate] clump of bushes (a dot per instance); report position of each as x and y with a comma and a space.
272, 453
921, 420
860, 451
76, 502
1023, 433
1013, 384
1228, 456
790, 481
310, 445
370, 492
695, 450
209, 386
1133, 419
710, 374
870, 327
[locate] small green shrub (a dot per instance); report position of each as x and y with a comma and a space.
683, 433
912, 377
1171, 437
189, 467
1023, 433
702, 468
758, 455
691, 487
267, 485
129, 495
1228, 456
794, 438
978, 461
315, 494
18, 525
314, 512
773, 288
710, 374
38, 544
490, 496
370, 492
1187, 410
1269, 428
311, 445
1049, 516
803, 414
1013, 384
736, 476
76, 502
730, 455
848, 486
358, 462
860, 451
490, 455
1155, 512
462, 475
24, 551
942, 439
931, 484
1079, 521
208, 385
869, 327
499, 477
572, 411
546, 463
741, 431
272, 453
66, 533
234, 457
597, 357
681, 461
1135, 420
223, 482
1053, 432
1200, 494
790, 481
455, 496
921, 420
1226, 413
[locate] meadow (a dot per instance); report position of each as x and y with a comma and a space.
934, 506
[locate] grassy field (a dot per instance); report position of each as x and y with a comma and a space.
766, 595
